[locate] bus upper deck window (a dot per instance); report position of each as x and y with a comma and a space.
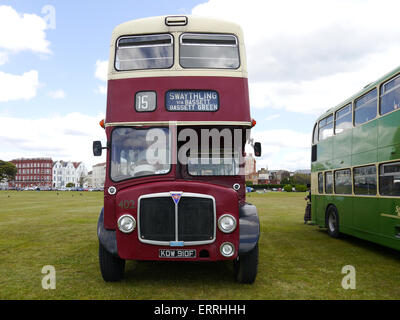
390, 96
215, 51
343, 119
144, 52
326, 127
365, 108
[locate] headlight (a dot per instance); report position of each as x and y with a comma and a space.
227, 223
227, 249
126, 223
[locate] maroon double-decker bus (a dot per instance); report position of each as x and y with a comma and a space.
177, 121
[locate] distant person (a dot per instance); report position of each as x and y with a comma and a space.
307, 214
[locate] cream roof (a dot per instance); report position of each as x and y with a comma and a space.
157, 25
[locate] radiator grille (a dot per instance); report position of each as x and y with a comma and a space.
191, 220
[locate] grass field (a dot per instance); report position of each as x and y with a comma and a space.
297, 261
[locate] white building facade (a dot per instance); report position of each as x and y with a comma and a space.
65, 172
99, 175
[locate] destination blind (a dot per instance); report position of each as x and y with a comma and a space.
192, 100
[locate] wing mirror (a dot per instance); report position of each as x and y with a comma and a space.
97, 148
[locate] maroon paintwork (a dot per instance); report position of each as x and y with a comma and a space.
233, 99
129, 246
234, 106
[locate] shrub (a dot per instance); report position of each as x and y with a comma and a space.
287, 188
301, 188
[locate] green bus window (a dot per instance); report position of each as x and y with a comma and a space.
365, 107
390, 96
343, 119
365, 180
326, 127
320, 183
389, 179
343, 181
328, 182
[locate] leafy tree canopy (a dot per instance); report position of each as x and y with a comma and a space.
8, 171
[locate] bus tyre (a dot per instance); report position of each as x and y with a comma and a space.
245, 266
112, 268
332, 222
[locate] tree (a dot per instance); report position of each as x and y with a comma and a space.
8, 171
82, 179
70, 185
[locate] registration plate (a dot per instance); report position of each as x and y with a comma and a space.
177, 253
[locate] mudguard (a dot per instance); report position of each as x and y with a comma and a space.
249, 226
107, 238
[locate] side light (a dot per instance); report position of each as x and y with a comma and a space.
101, 123
253, 123
227, 249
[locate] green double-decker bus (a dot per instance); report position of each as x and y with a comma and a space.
355, 165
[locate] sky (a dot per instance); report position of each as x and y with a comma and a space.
303, 57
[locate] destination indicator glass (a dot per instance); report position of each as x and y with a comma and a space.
192, 100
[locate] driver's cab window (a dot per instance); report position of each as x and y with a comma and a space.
139, 152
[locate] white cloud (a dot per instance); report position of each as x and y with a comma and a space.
272, 117
308, 56
283, 149
16, 87
57, 94
22, 32
101, 70
101, 89
3, 58
67, 137
101, 74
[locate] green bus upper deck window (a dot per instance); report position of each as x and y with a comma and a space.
343, 119
326, 127
390, 96
215, 51
365, 107
144, 52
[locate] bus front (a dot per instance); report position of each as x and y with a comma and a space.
177, 121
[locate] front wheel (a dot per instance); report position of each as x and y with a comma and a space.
245, 266
332, 222
112, 268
